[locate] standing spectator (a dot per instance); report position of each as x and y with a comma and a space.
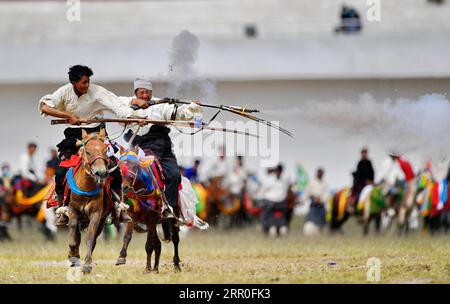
191, 173
317, 193
236, 181
274, 190
28, 167
215, 169
363, 175
29, 170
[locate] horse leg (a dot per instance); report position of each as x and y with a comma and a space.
149, 247
74, 238
126, 241
100, 229
19, 222
366, 226
176, 241
94, 223
157, 248
153, 244
4, 234
156, 245
366, 222
378, 223
401, 220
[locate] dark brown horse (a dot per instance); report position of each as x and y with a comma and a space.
87, 206
145, 200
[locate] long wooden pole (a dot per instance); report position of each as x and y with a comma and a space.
155, 122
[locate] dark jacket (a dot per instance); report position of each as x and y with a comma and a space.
364, 171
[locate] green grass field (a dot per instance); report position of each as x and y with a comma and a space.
237, 257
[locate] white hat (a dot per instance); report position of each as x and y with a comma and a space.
393, 152
142, 83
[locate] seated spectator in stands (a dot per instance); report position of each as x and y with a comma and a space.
436, 1
350, 21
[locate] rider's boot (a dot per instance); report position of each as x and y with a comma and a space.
119, 215
61, 217
167, 214
170, 212
124, 217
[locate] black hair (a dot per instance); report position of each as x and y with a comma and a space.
32, 144
78, 71
280, 168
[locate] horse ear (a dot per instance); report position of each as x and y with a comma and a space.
84, 134
102, 133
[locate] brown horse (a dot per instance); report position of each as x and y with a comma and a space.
146, 199
220, 201
87, 209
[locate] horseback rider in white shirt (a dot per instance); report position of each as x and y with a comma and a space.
78, 101
155, 140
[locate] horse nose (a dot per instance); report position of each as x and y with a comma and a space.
102, 174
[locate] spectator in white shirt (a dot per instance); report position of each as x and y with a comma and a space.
274, 190
317, 193
216, 168
28, 168
237, 177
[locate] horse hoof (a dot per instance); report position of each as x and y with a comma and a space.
74, 262
177, 268
87, 269
148, 270
121, 261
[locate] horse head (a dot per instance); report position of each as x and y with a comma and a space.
93, 155
134, 178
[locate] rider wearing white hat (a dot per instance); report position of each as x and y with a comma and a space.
155, 140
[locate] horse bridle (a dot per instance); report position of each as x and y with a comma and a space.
88, 162
131, 188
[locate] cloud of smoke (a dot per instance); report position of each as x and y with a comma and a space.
417, 127
184, 80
